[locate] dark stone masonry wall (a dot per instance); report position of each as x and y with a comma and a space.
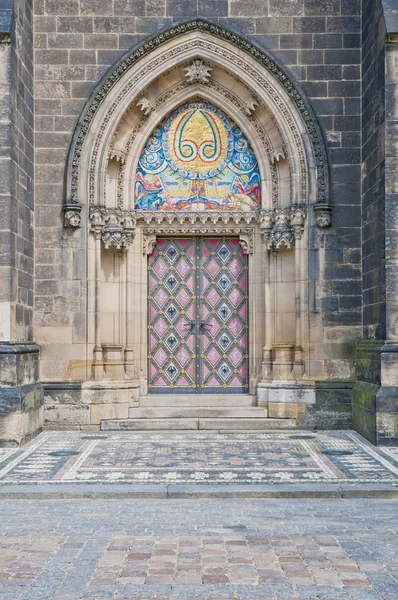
77, 41
21, 396
375, 397
327, 46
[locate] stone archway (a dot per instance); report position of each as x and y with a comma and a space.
198, 59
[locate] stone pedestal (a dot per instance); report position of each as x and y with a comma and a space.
375, 396
21, 394
113, 361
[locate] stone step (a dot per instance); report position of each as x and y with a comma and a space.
198, 412
258, 424
185, 400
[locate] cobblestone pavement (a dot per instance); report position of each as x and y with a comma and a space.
65, 457
206, 549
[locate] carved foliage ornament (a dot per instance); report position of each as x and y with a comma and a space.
220, 33
116, 228
198, 72
278, 227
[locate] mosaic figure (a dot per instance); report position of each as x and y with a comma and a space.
197, 159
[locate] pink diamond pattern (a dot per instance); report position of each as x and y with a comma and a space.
213, 267
160, 356
235, 326
236, 356
183, 267
160, 327
213, 297
183, 297
213, 357
160, 267
160, 297
235, 267
183, 356
235, 297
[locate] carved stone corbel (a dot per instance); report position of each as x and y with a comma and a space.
149, 243
72, 215
246, 243
323, 214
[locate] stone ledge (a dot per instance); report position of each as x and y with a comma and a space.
174, 491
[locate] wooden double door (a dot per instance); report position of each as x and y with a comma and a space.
198, 316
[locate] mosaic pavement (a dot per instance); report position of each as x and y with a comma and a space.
68, 457
203, 549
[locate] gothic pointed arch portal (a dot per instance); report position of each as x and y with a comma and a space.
198, 135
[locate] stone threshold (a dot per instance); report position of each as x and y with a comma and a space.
57, 491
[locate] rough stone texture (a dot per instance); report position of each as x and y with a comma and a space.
375, 405
21, 396
83, 548
332, 409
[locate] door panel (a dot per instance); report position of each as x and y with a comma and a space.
198, 321
172, 314
224, 328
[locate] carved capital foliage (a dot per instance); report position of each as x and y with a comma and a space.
278, 226
246, 243
115, 227
282, 226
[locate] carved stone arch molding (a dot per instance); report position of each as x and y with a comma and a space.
269, 87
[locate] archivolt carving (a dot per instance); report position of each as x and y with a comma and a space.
221, 33
168, 97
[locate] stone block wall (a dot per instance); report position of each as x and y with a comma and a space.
21, 396
77, 41
375, 397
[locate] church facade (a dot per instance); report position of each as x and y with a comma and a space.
199, 216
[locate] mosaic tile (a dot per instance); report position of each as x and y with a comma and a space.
199, 458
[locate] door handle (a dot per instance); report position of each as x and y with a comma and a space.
204, 326
191, 325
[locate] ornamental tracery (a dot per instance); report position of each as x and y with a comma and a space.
240, 64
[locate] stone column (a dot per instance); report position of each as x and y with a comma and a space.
298, 368
98, 369
269, 320
129, 352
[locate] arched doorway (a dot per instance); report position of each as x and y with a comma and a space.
228, 105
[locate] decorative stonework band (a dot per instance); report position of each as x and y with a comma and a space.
278, 226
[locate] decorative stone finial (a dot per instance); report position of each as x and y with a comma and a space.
198, 72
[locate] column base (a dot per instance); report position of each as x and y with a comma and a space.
21, 394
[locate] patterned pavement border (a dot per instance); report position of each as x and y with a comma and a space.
171, 458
